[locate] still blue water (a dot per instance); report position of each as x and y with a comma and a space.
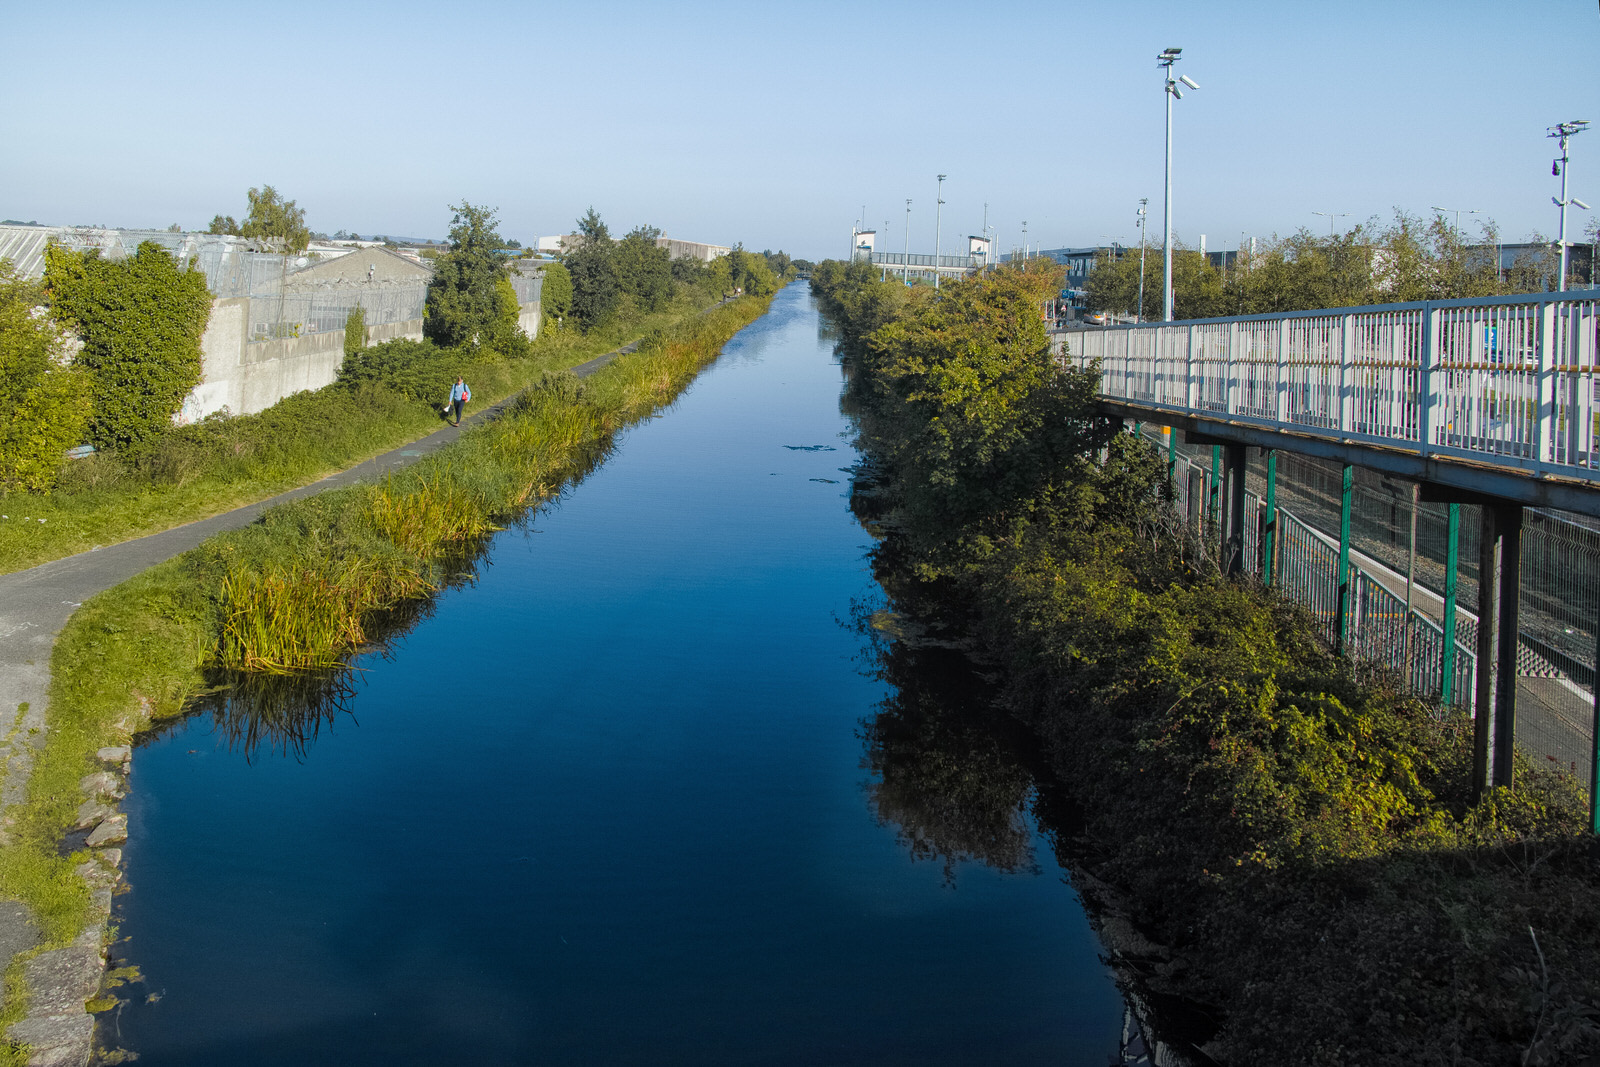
607, 805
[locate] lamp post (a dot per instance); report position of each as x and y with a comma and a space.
1333, 218
1138, 312
1562, 131
1457, 212
1024, 242
938, 210
1165, 60
905, 263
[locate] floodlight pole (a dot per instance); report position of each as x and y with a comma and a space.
1166, 59
1561, 132
937, 211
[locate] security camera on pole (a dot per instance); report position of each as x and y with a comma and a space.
1561, 132
1166, 59
937, 209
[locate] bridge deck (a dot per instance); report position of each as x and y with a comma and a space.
1495, 396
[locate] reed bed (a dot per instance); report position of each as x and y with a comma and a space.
422, 521
309, 616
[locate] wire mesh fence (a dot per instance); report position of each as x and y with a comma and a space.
1396, 624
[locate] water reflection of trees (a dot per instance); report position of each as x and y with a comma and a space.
945, 779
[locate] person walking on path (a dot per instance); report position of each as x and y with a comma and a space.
459, 395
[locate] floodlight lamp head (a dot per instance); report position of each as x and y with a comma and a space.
1190, 82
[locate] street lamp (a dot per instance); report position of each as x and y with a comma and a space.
1138, 312
1333, 218
938, 209
1165, 60
905, 264
1457, 212
1561, 132
1024, 242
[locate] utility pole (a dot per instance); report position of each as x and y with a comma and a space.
937, 211
1562, 131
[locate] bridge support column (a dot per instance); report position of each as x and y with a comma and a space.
1172, 454
1233, 496
1499, 590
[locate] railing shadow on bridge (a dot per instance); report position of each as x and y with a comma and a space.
1487, 405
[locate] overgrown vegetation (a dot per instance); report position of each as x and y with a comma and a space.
1301, 842
141, 319
44, 401
1408, 259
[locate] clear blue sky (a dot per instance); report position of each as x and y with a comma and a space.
774, 124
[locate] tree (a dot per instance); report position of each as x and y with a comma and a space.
223, 224
555, 296
355, 331
275, 222
44, 401
464, 306
592, 265
644, 269
141, 319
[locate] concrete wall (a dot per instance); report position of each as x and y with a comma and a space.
246, 378
528, 318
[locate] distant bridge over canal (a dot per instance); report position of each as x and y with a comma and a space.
1489, 402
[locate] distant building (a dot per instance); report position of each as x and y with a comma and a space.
691, 249
862, 243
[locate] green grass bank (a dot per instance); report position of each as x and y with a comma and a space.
1297, 840
305, 586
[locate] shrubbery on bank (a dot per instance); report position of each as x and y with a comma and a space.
1301, 843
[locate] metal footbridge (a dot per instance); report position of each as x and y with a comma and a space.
1489, 402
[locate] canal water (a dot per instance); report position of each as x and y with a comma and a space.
645, 792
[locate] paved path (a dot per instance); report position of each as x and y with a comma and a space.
35, 604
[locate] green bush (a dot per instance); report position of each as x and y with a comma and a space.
44, 406
141, 320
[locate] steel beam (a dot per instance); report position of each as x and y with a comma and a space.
1529, 490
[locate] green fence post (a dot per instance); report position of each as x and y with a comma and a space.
1214, 498
1269, 543
1447, 657
1341, 618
